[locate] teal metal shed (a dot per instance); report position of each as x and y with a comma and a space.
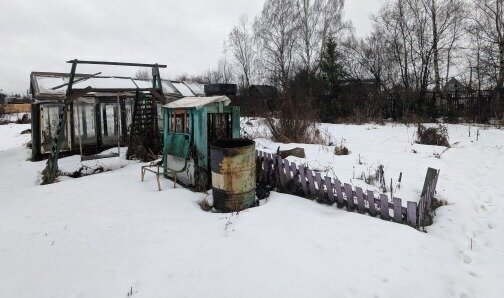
190, 125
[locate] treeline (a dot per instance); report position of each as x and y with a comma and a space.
400, 70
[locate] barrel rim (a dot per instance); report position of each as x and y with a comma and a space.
232, 143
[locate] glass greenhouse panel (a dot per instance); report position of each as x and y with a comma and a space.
85, 122
49, 120
111, 126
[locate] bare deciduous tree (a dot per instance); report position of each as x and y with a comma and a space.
488, 26
241, 44
143, 74
276, 29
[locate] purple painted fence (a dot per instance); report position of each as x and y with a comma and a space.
330, 191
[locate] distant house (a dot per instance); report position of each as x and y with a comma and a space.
228, 90
263, 96
454, 85
265, 93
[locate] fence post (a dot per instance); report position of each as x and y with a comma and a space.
339, 192
384, 207
302, 178
265, 168
321, 193
371, 202
286, 166
279, 171
349, 195
397, 209
412, 213
360, 200
330, 194
270, 168
311, 183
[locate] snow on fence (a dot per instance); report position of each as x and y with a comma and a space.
301, 181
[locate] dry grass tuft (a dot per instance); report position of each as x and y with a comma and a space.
204, 205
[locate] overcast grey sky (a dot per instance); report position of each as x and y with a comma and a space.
187, 35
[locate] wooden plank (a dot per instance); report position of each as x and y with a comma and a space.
349, 196
429, 181
320, 186
270, 168
421, 211
287, 168
384, 207
412, 214
339, 193
280, 173
434, 184
371, 202
302, 179
428, 197
311, 183
265, 168
295, 174
360, 200
294, 170
397, 209
330, 194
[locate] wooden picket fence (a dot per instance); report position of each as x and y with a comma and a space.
299, 180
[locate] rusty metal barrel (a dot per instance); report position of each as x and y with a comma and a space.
233, 166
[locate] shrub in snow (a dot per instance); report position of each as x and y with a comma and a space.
437, 136
294, 122
341, 149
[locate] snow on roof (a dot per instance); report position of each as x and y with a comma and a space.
46, 83
112, 83
198, 102
183, 89
195, 87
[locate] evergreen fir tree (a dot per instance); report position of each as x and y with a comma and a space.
331, 73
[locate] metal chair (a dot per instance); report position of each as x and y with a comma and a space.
178, 146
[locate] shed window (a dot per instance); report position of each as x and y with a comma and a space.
179, 121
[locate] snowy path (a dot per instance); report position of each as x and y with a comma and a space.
101, 235
476, 211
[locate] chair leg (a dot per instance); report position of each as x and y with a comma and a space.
143, 173
174, 180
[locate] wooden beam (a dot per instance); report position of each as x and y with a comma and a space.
157, 95
116, 63
78, 93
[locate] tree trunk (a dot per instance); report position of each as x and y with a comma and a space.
435, 38
500, 79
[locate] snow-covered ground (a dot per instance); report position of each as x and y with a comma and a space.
108, 234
